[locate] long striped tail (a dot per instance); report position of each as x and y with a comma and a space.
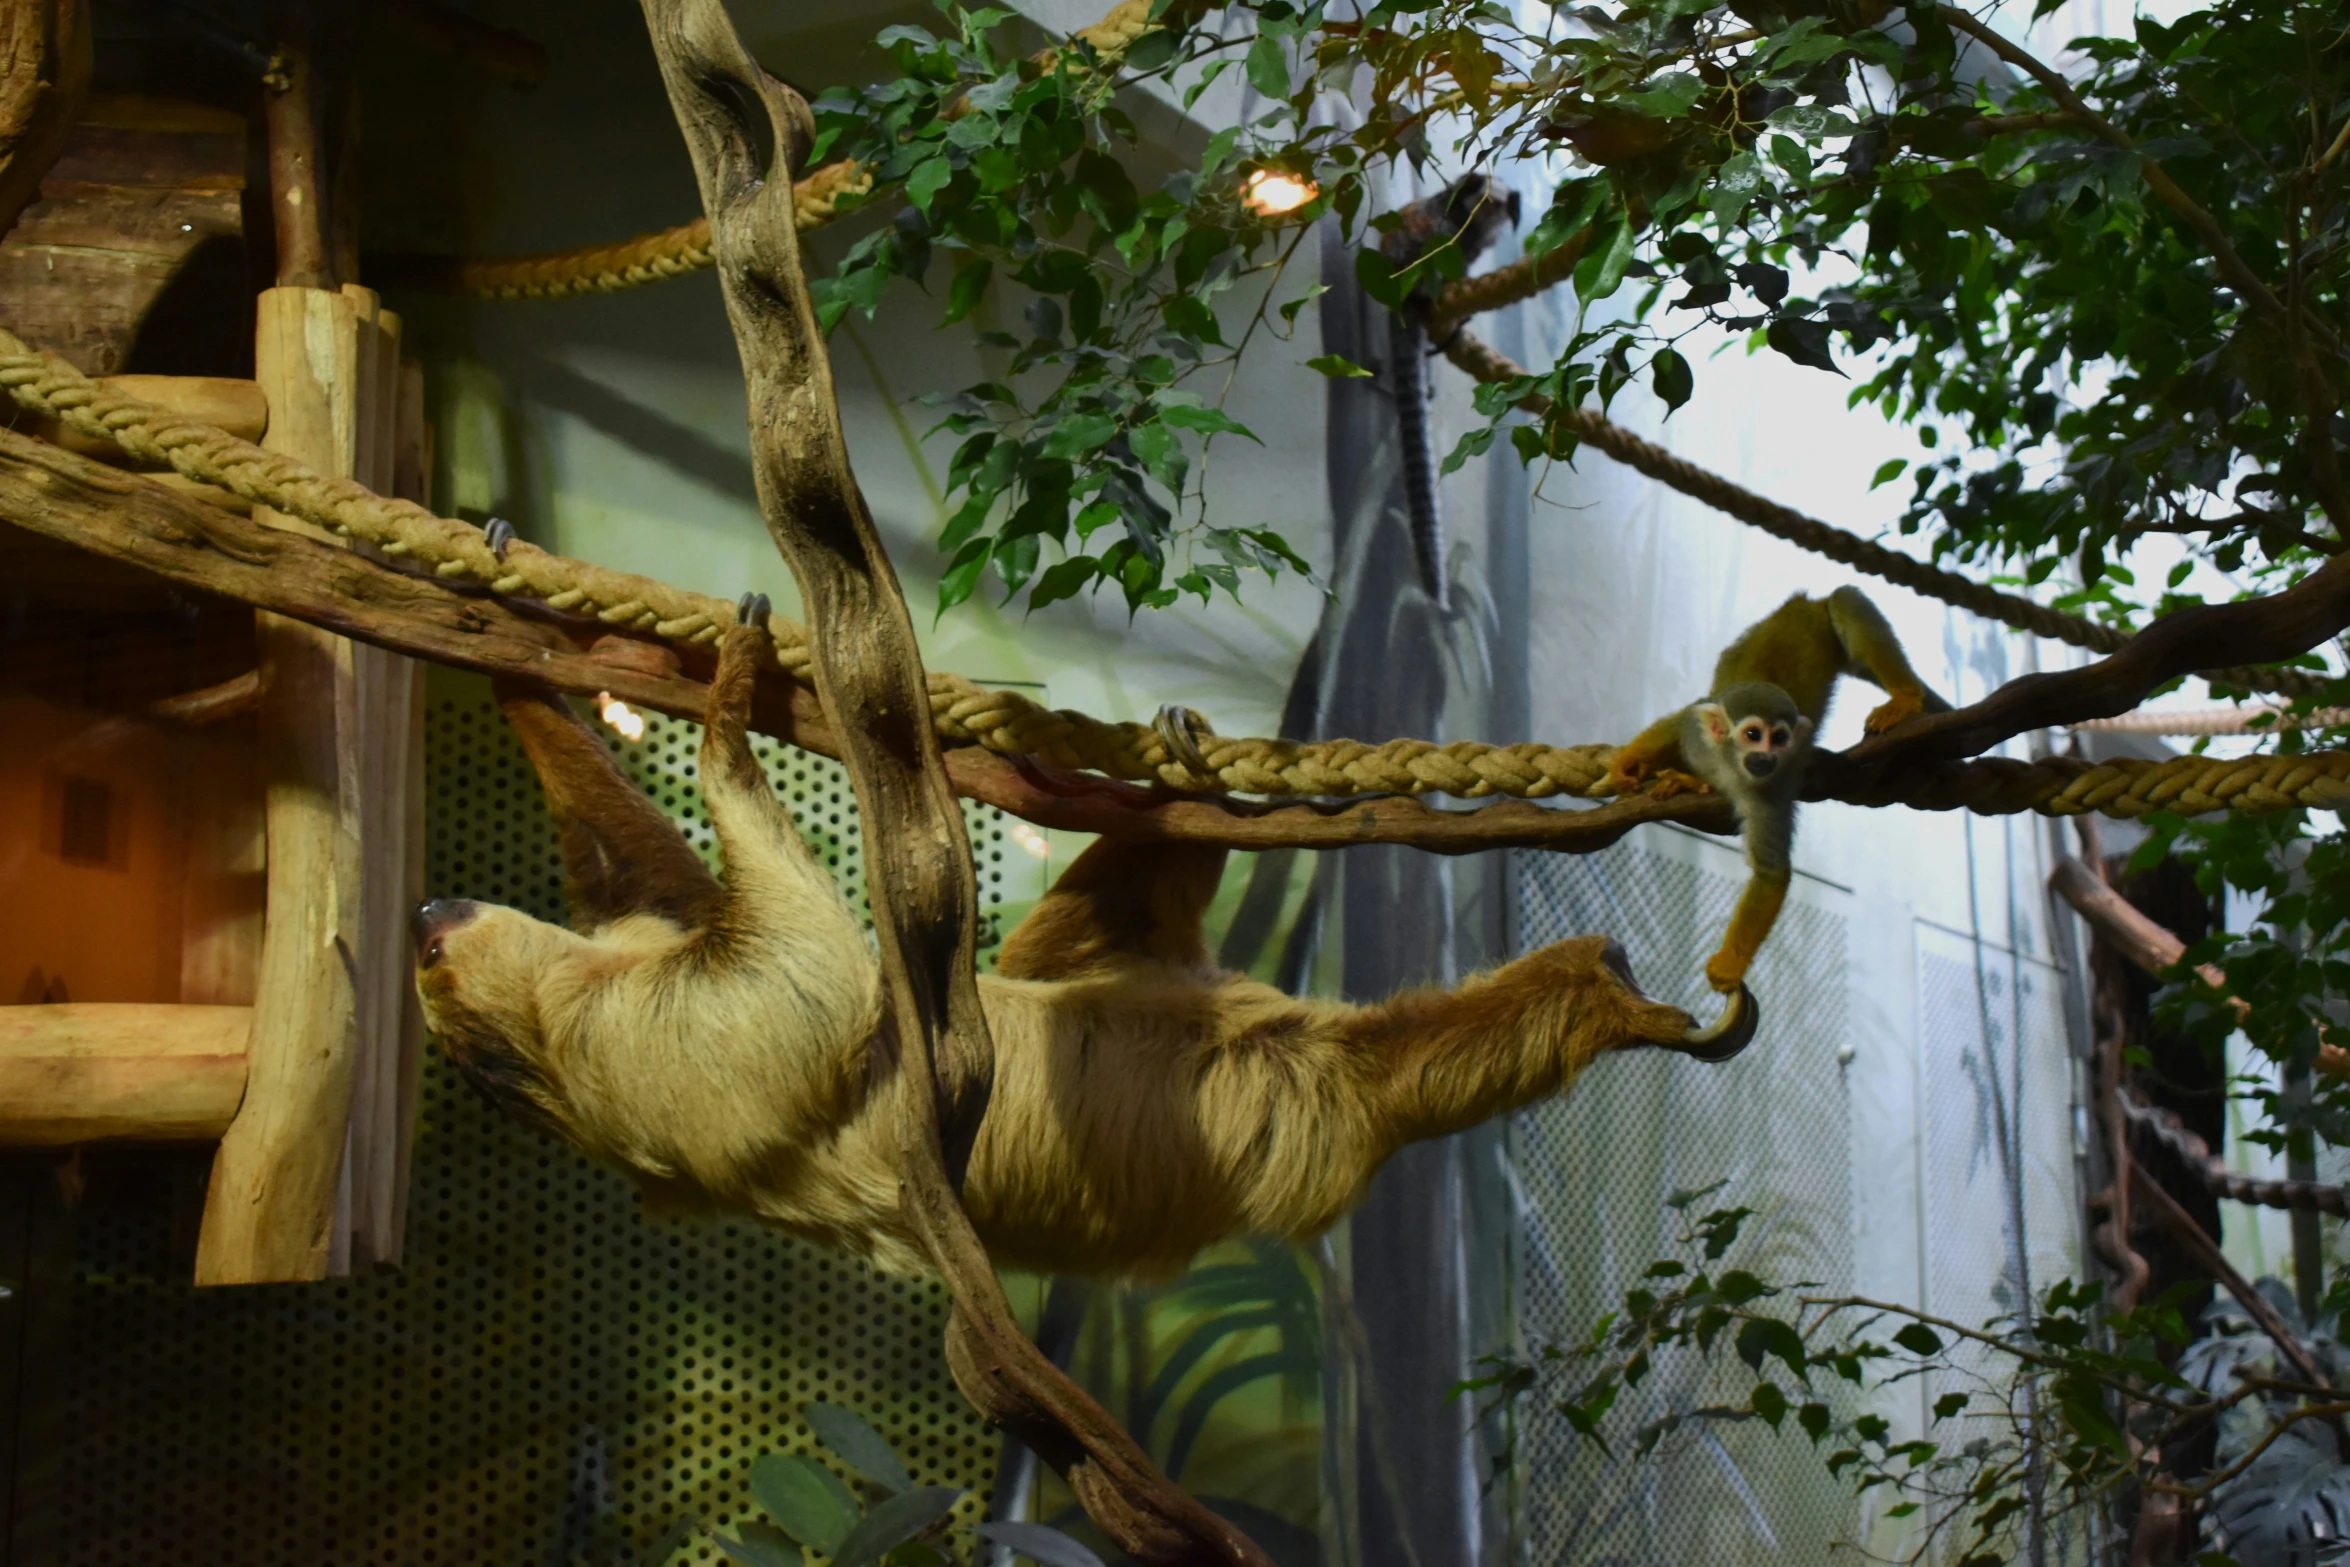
1407, 361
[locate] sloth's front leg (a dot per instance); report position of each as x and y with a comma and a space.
754, 829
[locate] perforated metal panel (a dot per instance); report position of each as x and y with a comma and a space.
2002, 1216
552, 1373
1593, 1171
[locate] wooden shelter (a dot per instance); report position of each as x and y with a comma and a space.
220, 813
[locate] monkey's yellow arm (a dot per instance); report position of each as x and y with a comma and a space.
1757, 912
1654, 754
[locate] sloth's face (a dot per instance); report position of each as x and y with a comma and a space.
514, 1001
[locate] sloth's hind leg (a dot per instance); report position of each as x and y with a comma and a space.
753, 827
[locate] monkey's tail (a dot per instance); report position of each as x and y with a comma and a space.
1407, 362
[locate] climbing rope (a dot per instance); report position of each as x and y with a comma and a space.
1487, 364
604, 269
673, 252
1009, 724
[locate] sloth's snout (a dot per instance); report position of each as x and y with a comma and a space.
433, 921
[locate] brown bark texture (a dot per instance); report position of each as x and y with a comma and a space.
44, 75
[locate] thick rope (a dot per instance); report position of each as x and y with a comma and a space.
605, 269
2251, 718
2213, 1171
1487, 364
1010, 724
673, 252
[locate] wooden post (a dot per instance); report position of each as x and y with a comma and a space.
305, 1181
305, 1178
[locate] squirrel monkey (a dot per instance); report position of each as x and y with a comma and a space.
1469, 213
1751, 737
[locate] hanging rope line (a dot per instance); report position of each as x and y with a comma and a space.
1010, 724
605, 269
2226, 718
1488, 364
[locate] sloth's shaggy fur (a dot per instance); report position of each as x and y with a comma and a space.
727, 1045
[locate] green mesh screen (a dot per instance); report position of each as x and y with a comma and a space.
553, 1377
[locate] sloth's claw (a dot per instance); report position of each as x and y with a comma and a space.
500, 534
752, 609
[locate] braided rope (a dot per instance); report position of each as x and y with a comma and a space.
1009, 724
673, 252
2172, 1133
1486, 363
605, 269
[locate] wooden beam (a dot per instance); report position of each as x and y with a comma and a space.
98, 1071
125, 517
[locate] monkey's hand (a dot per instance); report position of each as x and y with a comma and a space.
1672, 781
1726, 969
1897, 709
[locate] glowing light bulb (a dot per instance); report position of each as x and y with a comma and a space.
1269, 193
620, 716
1030, 839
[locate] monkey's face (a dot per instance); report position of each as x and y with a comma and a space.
516, 1003
1757, 728
1761, 743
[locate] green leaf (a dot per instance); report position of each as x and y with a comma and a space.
1377, 276
962, 573
806, 1498
964, 293
760, 1546
1667, 97
1073, 437
1601, 271
926, 179
1335, 365
1268, 68
1064, 580
1919, 1339
1814, 1420
1769, 1403
1888, 471
1759, 1337
895, 1521
1208, 421
1190, 315
1669, 373
1949, 1404
1039, 1543
1734, 185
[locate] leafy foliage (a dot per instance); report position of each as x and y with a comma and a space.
2067, 1401
813, 1508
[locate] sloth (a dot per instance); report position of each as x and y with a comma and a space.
727, 1044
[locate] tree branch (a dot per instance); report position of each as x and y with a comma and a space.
744, 130
2185, 642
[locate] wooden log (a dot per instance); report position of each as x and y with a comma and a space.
411, 481
277, 1191
387, 747
97, 1071
127, 518
135, 250
44, 76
